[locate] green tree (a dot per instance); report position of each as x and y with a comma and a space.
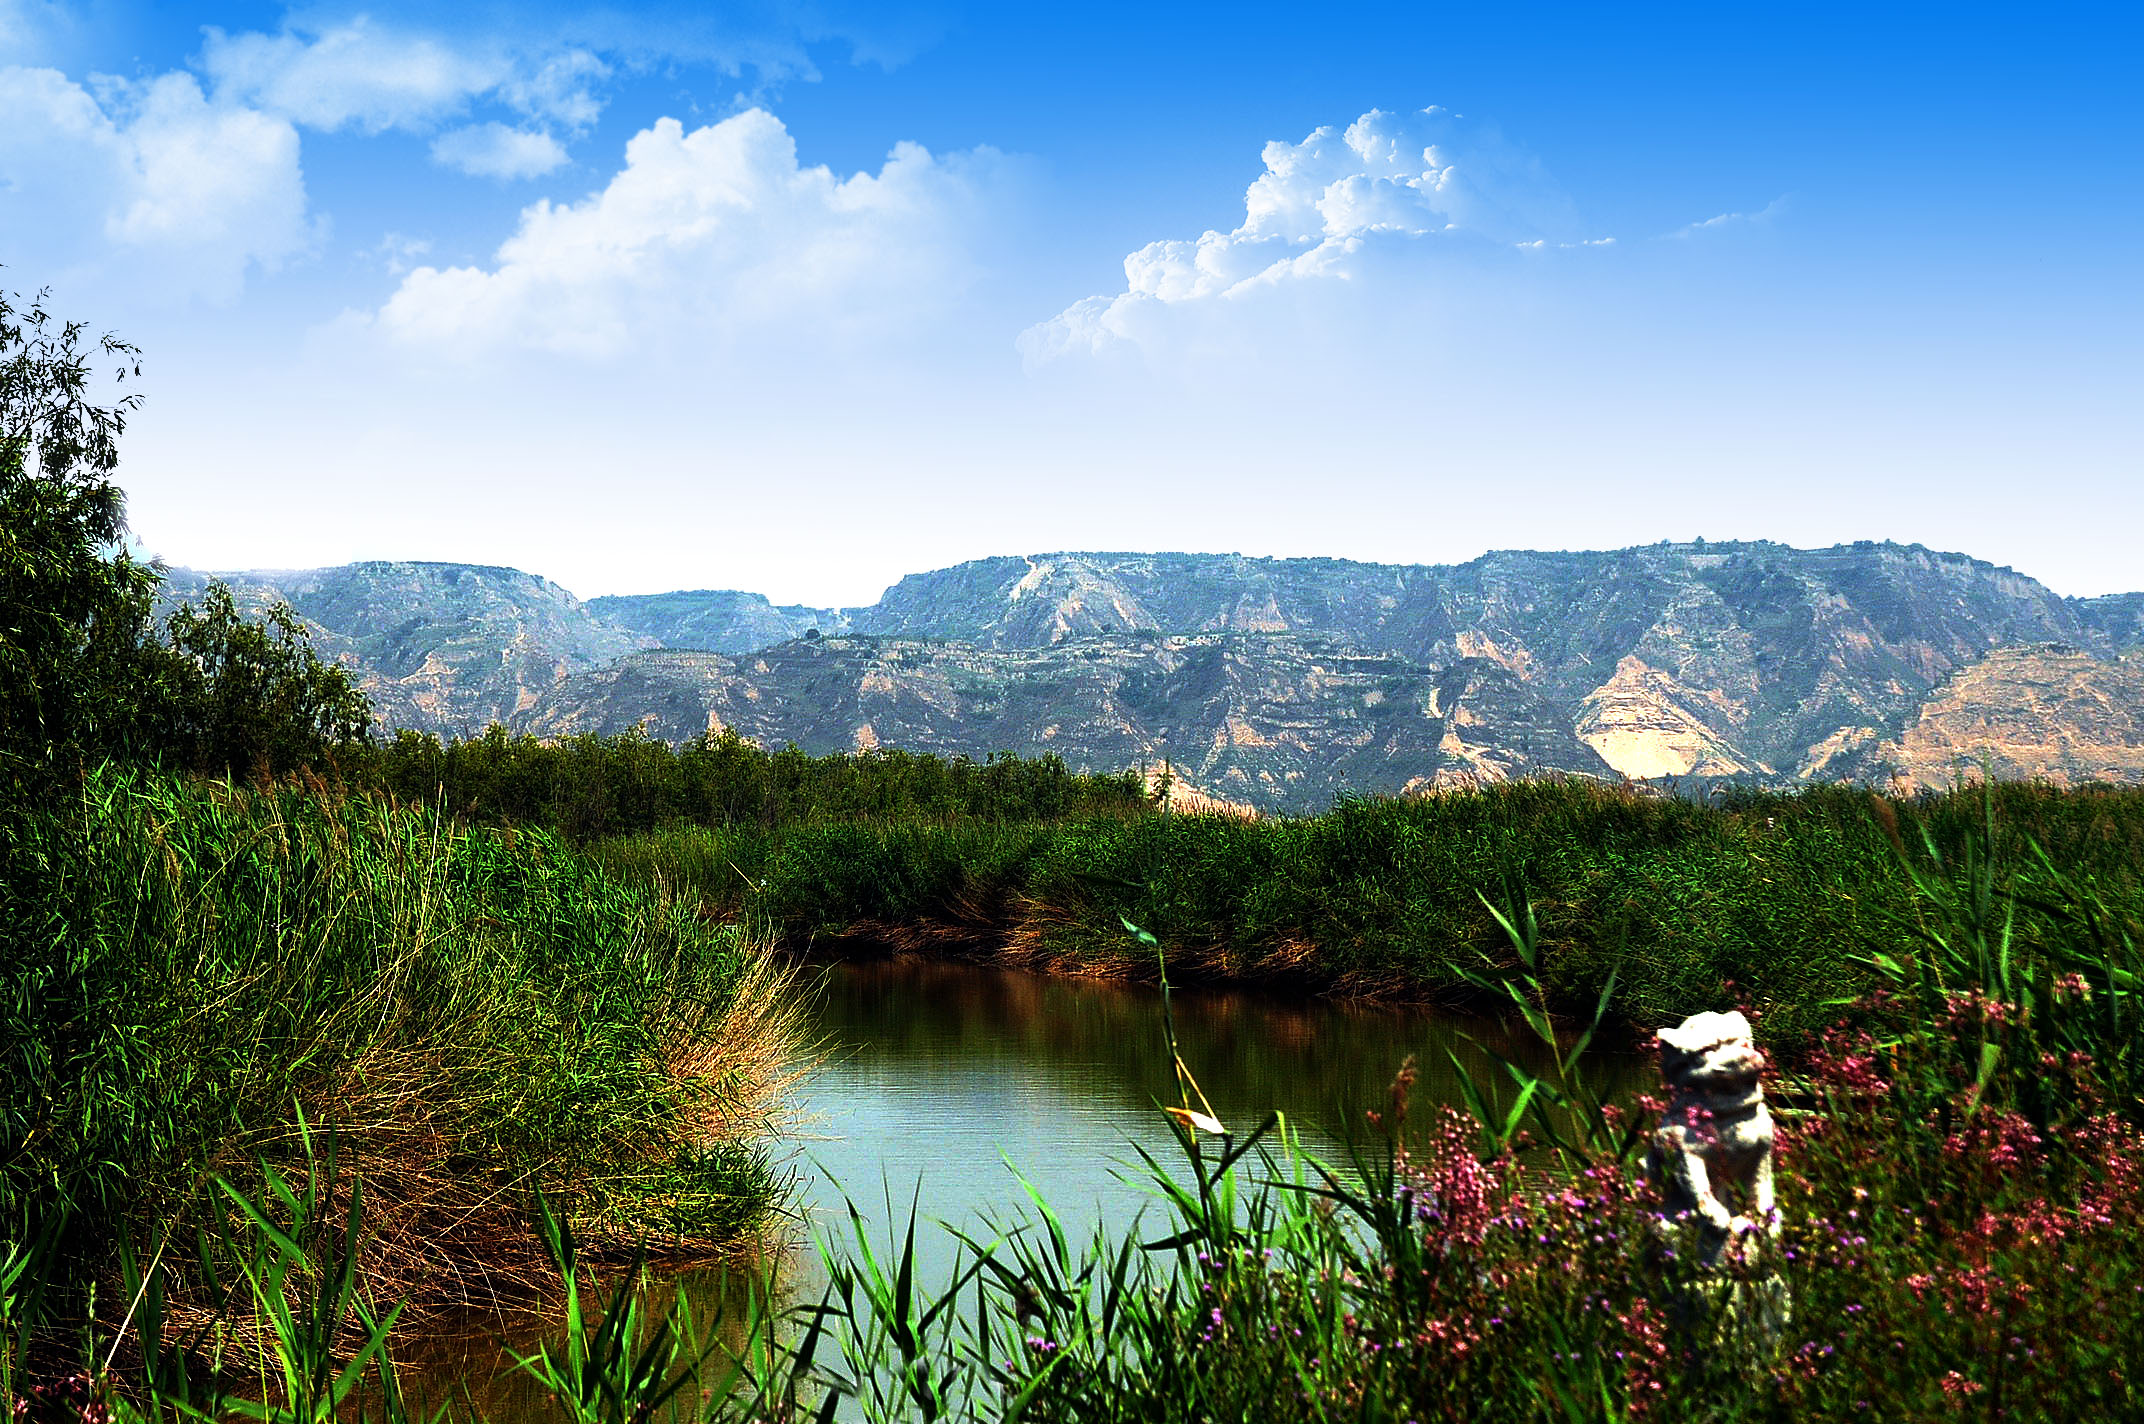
85, 672
246, 695
73, 605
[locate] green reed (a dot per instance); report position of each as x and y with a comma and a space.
1777, 901
1428, 1282
199, 976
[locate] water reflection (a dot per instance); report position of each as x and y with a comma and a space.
938, 1081
938, 1076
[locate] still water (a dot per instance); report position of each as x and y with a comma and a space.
935, 1084
940, 1081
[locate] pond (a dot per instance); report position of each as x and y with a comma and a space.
939, 1081
936, 1084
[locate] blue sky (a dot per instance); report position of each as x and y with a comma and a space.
801, 298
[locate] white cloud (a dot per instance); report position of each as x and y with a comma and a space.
495, 151
717, 232
151, 182
560, 88
1759, 218
15, 26
357, 74
397, 252
375, 77
1317, 211
32, 29
181, 183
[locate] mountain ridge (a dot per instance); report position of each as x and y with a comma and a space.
1749, 660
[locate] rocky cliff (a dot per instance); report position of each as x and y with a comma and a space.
2117, 620
2053, 711
1281, 681
441, 647
1280, 722
716, 620
1683, 659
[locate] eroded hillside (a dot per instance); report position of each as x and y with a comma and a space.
1284, 681
439, 647
1278, 721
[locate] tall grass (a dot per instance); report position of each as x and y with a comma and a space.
1773, 900
202, 977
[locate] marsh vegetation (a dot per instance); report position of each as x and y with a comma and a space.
1960, 1162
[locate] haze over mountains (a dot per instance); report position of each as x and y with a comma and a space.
1281, 682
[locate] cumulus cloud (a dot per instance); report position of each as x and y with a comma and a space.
1316, 213
716, 231
495, 151
151, 178
191, 178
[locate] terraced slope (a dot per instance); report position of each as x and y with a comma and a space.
2053, 711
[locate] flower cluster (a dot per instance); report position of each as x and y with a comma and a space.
1456, 1195
1939, 1245
71, 1400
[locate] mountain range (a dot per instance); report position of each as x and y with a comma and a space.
1279, 683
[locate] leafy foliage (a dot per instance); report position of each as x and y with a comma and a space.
1774, 901
246, 695
85, 672
72, 606
1978, 1265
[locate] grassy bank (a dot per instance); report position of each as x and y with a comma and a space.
1961, 1236
201, 977
1772, 900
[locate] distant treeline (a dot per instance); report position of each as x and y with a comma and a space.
590, 786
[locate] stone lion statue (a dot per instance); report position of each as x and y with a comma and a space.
1714, 1143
